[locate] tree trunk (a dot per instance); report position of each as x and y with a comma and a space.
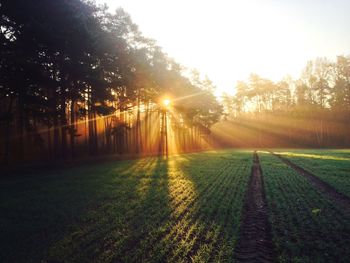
49, 144
72, 129
21, 123
63, 126
8, 133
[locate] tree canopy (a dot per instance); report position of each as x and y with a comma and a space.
65, 64
313, 110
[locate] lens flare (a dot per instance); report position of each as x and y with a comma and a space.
166, 102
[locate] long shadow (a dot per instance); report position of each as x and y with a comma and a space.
71, 215
151, 212
206, 229
182, 208
122, 234
226, 197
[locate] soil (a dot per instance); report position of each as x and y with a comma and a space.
255, 238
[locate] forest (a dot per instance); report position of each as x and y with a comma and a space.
77, 80
311, 111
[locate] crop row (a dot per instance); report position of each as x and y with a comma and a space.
185, 207
307, 227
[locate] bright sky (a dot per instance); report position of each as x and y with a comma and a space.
227, 40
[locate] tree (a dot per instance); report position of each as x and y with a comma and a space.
73, 74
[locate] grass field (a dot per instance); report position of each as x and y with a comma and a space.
332, 166
187, 208
307, 227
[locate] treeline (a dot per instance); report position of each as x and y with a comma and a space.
312, 111
76, 79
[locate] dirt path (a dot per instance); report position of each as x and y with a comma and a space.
255, 238
324, 187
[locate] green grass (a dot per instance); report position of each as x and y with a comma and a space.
181, 209
331, 166
185, 208
307, 227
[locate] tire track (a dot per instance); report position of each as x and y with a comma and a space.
255, 238
328, 190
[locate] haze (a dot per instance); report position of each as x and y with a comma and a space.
227, 40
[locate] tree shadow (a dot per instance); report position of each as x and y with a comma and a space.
206, 196
115, 228
219, 182
185, 207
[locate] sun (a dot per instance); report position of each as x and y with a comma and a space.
166, 102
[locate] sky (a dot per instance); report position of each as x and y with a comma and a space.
228, 39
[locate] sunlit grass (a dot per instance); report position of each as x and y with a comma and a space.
183, 208
180, 185
314, 156
151, 209
332, 166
